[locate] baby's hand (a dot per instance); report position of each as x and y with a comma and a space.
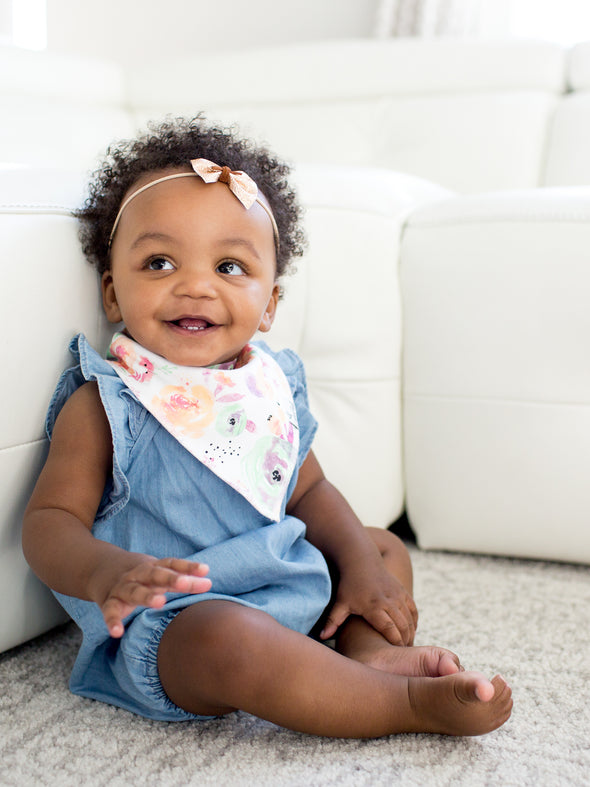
373, 593
147, 583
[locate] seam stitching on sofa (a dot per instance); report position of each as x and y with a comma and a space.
381, 98
492, 400
23, 445
526, 217
352, 381
397, 216
37, 208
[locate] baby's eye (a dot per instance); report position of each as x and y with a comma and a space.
230, 268
159, 264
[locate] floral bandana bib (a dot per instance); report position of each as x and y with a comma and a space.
239, 422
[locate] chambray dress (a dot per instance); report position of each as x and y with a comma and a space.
162, 501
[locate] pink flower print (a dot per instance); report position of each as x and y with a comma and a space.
124, 356
288, 433
144, 371
119, 350
140, 369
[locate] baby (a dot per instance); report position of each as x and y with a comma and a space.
182, 518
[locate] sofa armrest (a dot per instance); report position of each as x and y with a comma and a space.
50, 294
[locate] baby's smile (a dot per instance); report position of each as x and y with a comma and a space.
192, 323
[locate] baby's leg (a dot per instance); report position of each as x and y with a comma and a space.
358, 640
218, 656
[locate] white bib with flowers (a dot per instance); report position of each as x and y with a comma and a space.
239, 422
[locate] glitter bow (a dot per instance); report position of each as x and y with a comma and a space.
241, 185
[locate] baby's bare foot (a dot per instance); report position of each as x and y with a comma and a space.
465, 703
427, 662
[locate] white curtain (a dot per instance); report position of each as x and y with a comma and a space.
433, 17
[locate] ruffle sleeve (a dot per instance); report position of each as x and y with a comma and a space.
125, 415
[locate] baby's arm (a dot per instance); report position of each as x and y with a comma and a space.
365, 586
57, 538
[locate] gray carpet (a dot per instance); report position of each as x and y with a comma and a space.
528, 620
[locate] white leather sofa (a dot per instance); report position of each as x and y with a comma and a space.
441, 309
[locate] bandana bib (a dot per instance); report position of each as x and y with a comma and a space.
238, 420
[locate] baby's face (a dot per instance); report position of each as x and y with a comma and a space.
192, 271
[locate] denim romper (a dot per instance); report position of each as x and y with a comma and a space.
162, 501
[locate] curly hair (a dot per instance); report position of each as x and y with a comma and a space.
171, 144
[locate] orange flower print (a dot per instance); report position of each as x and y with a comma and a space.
189, 410
224, 380
279, 424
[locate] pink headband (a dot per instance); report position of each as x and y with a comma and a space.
241, 186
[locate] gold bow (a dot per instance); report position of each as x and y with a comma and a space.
241, 185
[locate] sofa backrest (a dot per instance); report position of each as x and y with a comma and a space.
58, 111
470, 115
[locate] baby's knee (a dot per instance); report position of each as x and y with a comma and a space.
215, 633
388, 543
395, 555
205, 649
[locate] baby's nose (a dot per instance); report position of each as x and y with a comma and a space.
196, 285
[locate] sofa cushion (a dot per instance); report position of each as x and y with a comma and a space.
496, 380
341, 312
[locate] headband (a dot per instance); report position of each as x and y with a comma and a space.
241, 186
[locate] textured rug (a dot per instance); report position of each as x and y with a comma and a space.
528, 620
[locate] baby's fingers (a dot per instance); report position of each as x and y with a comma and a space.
146, 586
124, 599
336, 617
394, 626
413, 610
182, 566
113, 612
172, 574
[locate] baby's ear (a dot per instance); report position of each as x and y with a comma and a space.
109, 298
271, 310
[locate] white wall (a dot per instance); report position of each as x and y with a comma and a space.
132, 30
